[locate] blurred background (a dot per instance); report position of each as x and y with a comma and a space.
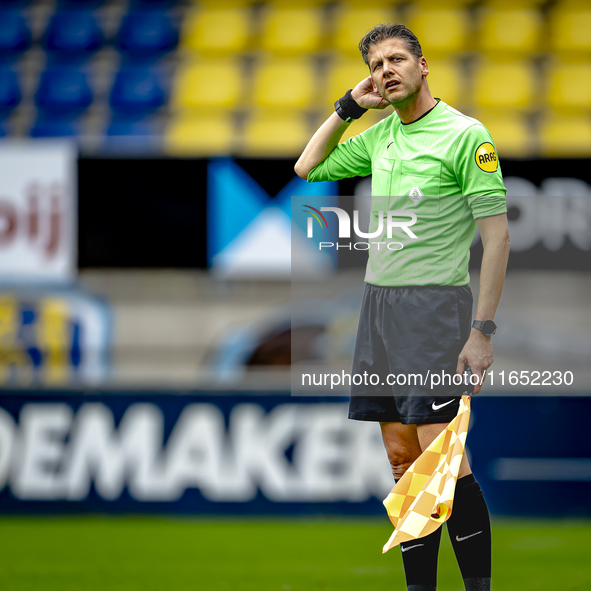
148, 320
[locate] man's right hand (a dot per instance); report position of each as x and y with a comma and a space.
366, 95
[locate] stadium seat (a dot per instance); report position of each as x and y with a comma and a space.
284, 83
10, 94
215, 31
447, 81
341, 74
193, 84
291, 30
44, 127
569, 27
204, 134
565, 135
123, 127
561, 76
136, 91
15, 36
275, 133
351, 24
504, 84
74, 33
510, 131
147, 33
79, 4
510, 30
440, 31
152, 4
63, 91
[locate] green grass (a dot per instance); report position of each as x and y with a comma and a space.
160, 554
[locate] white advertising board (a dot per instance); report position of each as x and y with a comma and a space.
37, 211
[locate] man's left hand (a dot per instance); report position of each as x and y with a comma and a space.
478, 354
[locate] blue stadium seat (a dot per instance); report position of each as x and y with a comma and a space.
136, 91
79, 4
151, 4
15, 36
145, 33
10, 94
74, 33
63, 91
53, 128
125, 128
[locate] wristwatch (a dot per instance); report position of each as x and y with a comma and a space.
486, 327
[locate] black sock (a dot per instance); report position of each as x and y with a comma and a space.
469, 531
420, 562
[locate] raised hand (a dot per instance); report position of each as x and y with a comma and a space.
367, 96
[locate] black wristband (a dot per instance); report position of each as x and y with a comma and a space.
347, 109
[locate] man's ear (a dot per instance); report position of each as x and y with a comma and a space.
424, 66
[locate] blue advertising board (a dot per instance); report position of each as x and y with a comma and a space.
266, 453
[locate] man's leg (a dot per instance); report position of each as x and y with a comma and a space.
469, 524
418, 556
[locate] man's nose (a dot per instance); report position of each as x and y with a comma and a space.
387, 69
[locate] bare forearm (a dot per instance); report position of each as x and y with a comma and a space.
323, 142
492, 276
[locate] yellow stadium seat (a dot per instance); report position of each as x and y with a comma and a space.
566, 135
569, 85
207, 134
510, 131
215, 31
570, 26
291, 30
504, 84
285, 83
446, 81
343, 73
439, 31
510, 30
275, 133
216, 82
351, 24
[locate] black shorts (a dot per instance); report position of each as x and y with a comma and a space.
408, 339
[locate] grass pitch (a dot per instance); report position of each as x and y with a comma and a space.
161, 554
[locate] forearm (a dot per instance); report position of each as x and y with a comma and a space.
323, 142
492, 276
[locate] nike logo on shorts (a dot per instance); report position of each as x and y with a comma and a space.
466, 537
438, 406
411, 547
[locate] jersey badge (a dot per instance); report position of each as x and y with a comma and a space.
415, 194
486, 157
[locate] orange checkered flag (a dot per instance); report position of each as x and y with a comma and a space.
423, 498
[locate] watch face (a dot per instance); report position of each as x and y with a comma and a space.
488, 327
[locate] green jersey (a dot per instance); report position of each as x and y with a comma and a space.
442, 168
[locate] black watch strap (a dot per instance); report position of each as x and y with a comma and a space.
486, 327
347, 109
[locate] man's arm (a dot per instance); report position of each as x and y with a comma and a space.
478, 351
327, 138
323, 142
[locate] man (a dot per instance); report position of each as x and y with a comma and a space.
429, 160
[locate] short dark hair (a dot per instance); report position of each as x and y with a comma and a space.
387, 31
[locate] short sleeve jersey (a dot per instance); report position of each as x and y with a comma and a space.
443, 168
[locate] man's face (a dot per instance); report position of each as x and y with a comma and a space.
396, 72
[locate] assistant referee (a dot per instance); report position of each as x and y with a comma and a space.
434, 162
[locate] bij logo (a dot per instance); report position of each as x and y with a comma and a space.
390, 220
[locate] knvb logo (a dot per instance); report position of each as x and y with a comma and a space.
344, 226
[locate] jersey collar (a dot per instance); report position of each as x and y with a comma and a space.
428, 116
